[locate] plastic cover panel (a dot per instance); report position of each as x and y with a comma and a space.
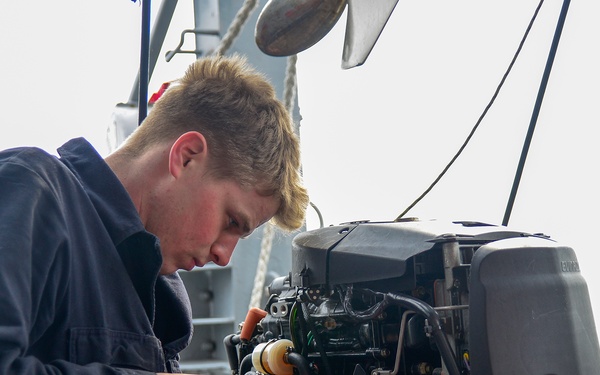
372, 251
530, 311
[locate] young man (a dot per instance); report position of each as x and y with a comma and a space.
89, 248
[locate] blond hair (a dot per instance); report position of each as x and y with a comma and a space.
248, 130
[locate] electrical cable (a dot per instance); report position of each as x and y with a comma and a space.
536, 111
314, 206
483, 114
320, 348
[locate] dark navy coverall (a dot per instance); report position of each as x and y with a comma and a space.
80, 291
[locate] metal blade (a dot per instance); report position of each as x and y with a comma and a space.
366, 20
287, 27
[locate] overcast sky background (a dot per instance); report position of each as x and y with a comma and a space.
373, 137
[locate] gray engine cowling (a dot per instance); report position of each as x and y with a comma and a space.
425, 297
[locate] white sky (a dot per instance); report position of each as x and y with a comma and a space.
374, 137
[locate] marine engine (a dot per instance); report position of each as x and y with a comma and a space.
421, 298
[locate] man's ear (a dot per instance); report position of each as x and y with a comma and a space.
189, 147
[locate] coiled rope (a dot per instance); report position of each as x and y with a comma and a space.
238, 22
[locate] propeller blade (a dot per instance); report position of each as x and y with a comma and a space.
287, 27
366, 20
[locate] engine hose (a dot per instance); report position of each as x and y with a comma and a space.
368, 314
246, 364
298, 361
417, 306
317, 339
230, 342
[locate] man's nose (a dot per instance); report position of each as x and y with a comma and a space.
222, 250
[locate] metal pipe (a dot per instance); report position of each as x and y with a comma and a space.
400, 342
144, 62
452, 260
159, 31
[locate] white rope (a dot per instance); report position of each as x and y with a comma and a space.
261, 269
236, 26
289, 91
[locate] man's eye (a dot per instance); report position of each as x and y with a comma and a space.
236, 227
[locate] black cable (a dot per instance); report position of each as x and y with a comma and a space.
368, 314
414, 304
510, 66
303, 344
536, 111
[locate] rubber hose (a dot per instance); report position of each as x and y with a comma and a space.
246, 364
298, 361
230, 342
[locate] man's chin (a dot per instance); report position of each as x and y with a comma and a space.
169, 269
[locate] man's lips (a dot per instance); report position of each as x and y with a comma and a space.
193, 263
